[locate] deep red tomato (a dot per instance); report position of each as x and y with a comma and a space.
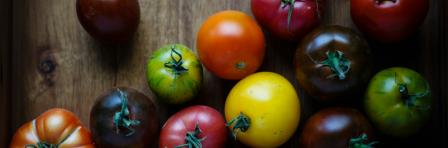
54, 128
288, 19
337, 128
332, 62
231, 45
194, 126
124, 117
110, 21
389, 20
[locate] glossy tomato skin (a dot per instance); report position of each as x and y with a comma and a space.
140, 107
392, 111
335, 127
389, 20
57, 127
272, 106
170, 84
319, 80
273, 15
210, 121
231, 45
109, 21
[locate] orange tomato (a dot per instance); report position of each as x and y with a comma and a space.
231, 45
54, 128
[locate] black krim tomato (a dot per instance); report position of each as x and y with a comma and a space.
337, 128
109, 21
124, 117
398, 101
332, 62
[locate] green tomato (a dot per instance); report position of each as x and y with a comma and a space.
398, 101
174, 74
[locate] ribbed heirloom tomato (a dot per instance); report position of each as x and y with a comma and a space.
196, 126
263, 110
55, 128
231, 45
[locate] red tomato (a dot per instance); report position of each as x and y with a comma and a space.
389, 20
288, 19
54, 128
200, 125
231, 45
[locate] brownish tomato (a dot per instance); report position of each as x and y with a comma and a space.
337, 128
125, 118
332, 62
54, 128
231, 45
110, 21
197, 126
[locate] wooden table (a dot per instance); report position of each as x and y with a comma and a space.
37, 31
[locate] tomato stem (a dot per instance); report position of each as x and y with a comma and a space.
176, 64
411, 99
242, 123
192, 139
360, 142
42, 145
289, 3
121, 118
338, 64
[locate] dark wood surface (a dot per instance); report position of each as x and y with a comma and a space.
47, 33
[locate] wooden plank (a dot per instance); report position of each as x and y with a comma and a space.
5, 81
55, 63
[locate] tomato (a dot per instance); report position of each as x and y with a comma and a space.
109, 21
337, 128
389, 20
231, 45
263, 110
124, 117
54, 128
398, 101
196, 126
332, 62
174, 74
288, 19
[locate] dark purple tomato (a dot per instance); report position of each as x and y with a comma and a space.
337, 128
110, 21
124, 117
333, 62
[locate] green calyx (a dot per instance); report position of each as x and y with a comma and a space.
242, 123
338, 64
411, 99
42, 145
192, 139
289, 3
122, 119
360, 142
176, 62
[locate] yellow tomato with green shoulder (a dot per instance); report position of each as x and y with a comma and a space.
263, 110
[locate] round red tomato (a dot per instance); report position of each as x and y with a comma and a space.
231, 45
337, 128
288, 19
54, 128
389, 20
110, 21
194, 126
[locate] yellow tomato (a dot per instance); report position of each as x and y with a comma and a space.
263, 110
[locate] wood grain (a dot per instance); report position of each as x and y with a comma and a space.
5, 81
55, 63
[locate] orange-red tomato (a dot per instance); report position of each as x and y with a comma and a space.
54, 128
231, 45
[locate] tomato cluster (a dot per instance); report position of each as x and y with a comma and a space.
263, 109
